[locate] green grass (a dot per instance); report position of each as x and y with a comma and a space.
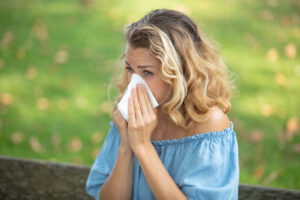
90, 40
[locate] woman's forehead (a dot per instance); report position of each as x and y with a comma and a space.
140, 56
137, 52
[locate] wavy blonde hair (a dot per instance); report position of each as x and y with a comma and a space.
190, 64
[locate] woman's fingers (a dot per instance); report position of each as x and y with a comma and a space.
131, 115
137, 108
147, 100
142, 100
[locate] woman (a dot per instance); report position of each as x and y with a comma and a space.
186, 147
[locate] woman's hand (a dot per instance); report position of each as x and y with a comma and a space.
122, 125
142, 118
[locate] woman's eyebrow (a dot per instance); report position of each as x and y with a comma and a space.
140, 66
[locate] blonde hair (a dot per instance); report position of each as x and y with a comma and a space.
190, 64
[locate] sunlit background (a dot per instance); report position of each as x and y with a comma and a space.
57, 58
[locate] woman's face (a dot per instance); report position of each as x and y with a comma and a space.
140, 61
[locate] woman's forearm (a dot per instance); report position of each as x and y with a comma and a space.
119, 184
161, 183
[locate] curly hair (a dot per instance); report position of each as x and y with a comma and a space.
190, 64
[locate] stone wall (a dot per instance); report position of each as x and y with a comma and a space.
36, 180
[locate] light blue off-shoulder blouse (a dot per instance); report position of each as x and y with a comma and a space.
204, 166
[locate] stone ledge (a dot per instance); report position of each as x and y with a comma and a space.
35, 179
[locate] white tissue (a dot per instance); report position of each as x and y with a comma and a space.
123, 104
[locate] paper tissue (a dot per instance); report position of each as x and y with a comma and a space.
123, 104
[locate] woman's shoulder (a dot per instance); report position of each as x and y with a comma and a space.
217, 121
218, 125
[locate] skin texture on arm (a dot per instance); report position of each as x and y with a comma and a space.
119, 183
120, 179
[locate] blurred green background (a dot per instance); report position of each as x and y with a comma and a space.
57, 58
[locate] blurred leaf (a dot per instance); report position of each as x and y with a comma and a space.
6, 99
267, 15
39, 30
43, 103
292, 127
97, 137
272, 55
281, 80
256, 136
271, 177
61, 56
35, 144
31, 73
285, 20
75, 144
259, 172
290, 50
7, 38
17, 137
266, 110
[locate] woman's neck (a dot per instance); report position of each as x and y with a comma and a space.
164, 125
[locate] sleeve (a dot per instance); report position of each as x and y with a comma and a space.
212, 170
103, 163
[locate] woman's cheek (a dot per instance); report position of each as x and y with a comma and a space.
156, 96
154, 92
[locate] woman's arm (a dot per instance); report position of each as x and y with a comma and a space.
161, 183
119, 184
141, 123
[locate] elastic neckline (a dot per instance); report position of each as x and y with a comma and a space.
196, 136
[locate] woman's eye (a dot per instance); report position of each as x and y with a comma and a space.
128, 69
148, 73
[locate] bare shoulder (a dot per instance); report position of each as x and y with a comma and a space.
217, 121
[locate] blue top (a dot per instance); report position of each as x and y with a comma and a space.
204, 166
